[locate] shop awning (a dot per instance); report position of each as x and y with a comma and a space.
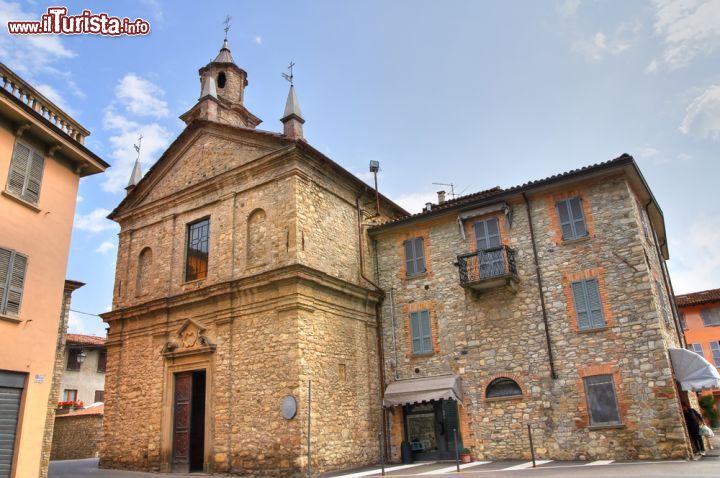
418, 390
693, 371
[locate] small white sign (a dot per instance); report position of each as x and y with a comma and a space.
39, 378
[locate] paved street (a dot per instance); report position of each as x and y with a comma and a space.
503, 469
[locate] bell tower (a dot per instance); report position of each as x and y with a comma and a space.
230, 79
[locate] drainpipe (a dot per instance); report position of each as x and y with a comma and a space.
551, 358
667, 281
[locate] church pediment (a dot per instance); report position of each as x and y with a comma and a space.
191, 338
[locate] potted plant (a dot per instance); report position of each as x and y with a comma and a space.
465, 455
707, 403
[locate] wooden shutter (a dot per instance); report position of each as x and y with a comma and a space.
582, 311
19, 167
565, 220
5, 257
414, 256
426, 331
409, 258
576, 212
592, 290
419, 244
572, 219
12, 278
415, 331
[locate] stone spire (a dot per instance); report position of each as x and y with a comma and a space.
135, 176
224, 55
208, 87
292, 118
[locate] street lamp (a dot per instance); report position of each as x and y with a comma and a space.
81, 356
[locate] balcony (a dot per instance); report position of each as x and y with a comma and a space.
488, 269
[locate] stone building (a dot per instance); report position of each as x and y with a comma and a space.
243, 280
42, 158
546, 305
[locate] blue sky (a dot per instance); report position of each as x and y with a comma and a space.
473, 93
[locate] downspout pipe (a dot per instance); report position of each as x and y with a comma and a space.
667, 281
551, 358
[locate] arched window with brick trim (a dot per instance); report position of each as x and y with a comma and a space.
143, 271
503, 387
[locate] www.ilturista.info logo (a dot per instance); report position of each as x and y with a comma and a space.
57, 21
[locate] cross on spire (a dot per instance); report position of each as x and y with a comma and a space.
290, 76
138, 146
227, 24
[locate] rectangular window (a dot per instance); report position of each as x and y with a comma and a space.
13, 267
715, 347
572, 220
414, 256
69, 395
102, 361
588, 308
25, 175
710, 317
663, 303
697, 348
196, 265
72, 361
421, 332
601, 400
99, 396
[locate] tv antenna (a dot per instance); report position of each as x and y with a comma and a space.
452, 188
290, 76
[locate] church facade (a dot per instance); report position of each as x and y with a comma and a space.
272, 313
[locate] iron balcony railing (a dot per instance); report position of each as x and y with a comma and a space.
486, 264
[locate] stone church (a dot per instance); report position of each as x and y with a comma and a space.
274, 315
243, 279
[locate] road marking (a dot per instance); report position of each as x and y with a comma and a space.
450, 469
599, 462
525, 466
379, 470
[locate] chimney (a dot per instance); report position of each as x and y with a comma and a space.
428, 206
441, 197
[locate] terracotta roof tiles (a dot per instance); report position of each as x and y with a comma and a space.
697, 298
79, 339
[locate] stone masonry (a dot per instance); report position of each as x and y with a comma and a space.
500, 332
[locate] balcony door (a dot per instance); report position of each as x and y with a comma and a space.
488, 243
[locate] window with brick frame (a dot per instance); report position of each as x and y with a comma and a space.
588, 306
421, 332
710, 317
715, 348
601, 400
572, 218
414, 256
697, 348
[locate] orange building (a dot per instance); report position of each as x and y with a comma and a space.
42, 159
700, 318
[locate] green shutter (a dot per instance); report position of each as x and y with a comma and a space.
565, 221
426, 331
597, 320
415, 332
409, 260
572, 219
418, 245
581, 305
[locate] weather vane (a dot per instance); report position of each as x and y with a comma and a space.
138, 146
290, 76
227, 24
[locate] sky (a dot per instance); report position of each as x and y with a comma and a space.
473, 93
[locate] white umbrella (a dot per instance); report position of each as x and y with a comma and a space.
693, 371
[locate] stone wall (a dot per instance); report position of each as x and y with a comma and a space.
501, 333
76, 436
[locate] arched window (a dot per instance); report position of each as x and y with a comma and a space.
503, 387
257, 238
221, 80
143, 271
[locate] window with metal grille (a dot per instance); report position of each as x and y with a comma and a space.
196, 265
588, 307
72, 362
13, 267
601, 400
503, 387
715, 347
572, 219
414, 256
710, 317
25, 175
421, 332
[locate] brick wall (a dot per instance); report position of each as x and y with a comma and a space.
76, 437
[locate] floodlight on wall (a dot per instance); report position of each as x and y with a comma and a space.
374, 168
81, 356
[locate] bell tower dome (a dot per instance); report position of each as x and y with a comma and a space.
230, 79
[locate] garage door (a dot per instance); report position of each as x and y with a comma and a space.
11, 388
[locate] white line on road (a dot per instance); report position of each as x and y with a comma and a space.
378, 470
599, 462
525, 466
450, 469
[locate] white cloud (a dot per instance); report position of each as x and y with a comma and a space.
648, 152
105, 246
125, 133
415, 202
689, 28
567, 8
79, 198
94, 221
702, 117
141, 97
695, 262
684, 157
53, 95
86, 325
257, 39
652, 67
600, 46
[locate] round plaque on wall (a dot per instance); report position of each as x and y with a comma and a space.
289, 407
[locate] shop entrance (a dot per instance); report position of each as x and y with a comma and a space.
429, 429
189, 422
